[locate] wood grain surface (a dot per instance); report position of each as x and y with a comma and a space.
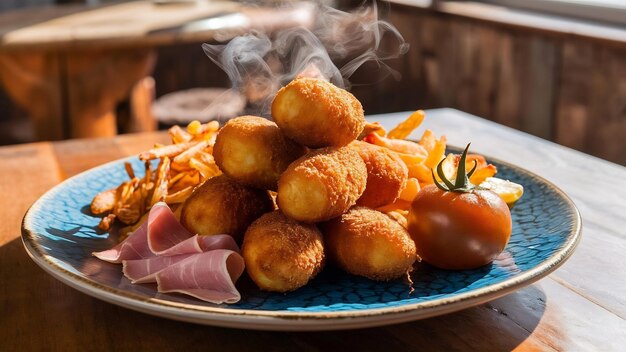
580, 307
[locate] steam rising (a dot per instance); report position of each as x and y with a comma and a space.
258, 65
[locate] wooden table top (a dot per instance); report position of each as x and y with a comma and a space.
140, 24
581, 306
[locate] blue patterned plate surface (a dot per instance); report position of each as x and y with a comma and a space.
60, 234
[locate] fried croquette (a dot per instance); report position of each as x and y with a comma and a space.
316, 113
282, 254
369, 243
386, 174
322, 184
222, 206
253, 151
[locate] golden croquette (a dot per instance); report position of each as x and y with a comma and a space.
222, 206
386, 174
369, 243
316, 113
282, 254
253, 151
322, 184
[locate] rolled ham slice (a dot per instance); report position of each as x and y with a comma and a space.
141, 271
145, 270
199, 244
163, 251
164, 230
209, 276
133, 247
153, 237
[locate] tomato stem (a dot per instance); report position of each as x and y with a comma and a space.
462, 183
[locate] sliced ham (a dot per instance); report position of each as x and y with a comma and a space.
154, 236
145, 270
164, 230
199, 244
209, 276
141, 271
133, 247
163, 251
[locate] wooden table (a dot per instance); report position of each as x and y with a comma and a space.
581, 306
69, 66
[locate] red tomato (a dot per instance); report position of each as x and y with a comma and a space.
459, 230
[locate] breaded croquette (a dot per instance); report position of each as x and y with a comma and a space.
322, 184
386, 174
369, 243
317, 114
253, 151
282, 254
222, 206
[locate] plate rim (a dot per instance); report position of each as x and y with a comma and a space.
301, 320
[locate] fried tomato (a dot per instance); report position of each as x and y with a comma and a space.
386, 174
253, 151
316, 113
322, 184
282, 254
369, 243
222, 206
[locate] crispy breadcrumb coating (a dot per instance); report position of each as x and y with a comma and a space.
282, 254
322, 184
386, 174
253, 151
222, 206
369, 243
316, 113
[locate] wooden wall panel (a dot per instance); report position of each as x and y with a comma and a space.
591, 113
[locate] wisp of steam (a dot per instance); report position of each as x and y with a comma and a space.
258, 65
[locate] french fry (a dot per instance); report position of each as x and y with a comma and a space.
169, 151
436, 153
129, 170
103, 202
161, 182
179, 135
428, 140
412, 158
206, 170
410, 191
180, 196
481, 174
372, 127
404, 129
397, 145
398, 205
106, 222
400, 216
175, 179
188, 179
183, 158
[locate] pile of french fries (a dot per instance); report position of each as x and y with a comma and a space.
422, 157
188, 162
183, 165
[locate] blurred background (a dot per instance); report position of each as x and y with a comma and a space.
93, 68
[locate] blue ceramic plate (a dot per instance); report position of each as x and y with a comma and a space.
60, 234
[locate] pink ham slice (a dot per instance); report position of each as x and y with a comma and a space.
141, 271
162, 250
134, 247
145, 270
153, 237
209, 276
164, 230
199, 244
